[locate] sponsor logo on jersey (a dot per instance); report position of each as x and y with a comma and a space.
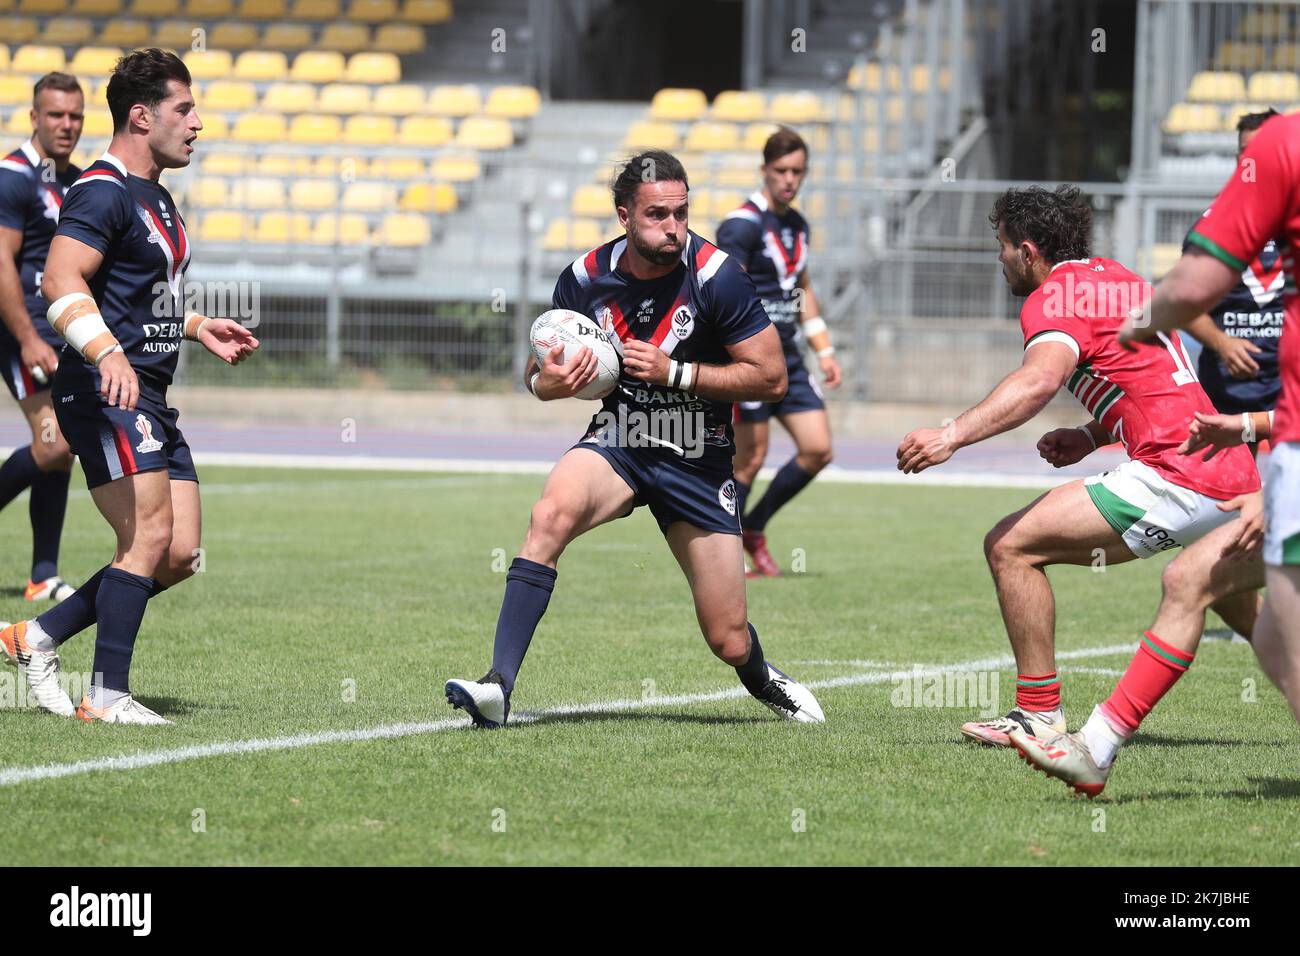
727, 497
147, 442
646, 311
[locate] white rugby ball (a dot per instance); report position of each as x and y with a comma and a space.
574, 330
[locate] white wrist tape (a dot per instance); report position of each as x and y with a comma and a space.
813, 326
680, 375
688, 374
1088, 431
532, 384
194, 323
76, 317
1270, 421
1247, 427
826, 352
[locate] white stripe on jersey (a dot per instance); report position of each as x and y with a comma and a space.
14, 166
743, 213
711, 266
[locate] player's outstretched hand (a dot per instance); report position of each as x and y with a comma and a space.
1064, 446
558, 380
1249, 536
644, 361
831, 372
925, 448
1236, 354
228, 340
117, 381
1215, 432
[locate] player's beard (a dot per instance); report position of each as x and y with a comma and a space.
659, 255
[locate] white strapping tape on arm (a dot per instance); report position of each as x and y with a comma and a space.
84, 330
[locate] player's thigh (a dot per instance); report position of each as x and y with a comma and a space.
1200, 570
1060, 527
187, 519
1283, 600
811, 431
47, 440
139, 508
583, 490
714, 565
751, 442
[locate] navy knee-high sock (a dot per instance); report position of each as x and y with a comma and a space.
18, 471
742, 495
753, 673
48, 504
77, 613
120, 607
787, 483
528, 591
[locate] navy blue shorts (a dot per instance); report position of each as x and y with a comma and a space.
701, 492
113, 444
18, 377
803, 395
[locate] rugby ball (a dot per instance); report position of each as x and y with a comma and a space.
574, 330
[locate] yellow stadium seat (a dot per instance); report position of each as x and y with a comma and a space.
374, 68
1264, 24
741, 171
284, 165
37, 59
15, 89
513, 102
563, 235
225, 226
591, 201
346, 230
1273, 87
1239, 55
671, 104
1286, 56
712, 137
1236, 111
209, 64
67, 31
100, 94
260, 127
399, 38
1216, 87
873, 77
1193, 118
229, 95
801, 107
424, 131
343, 98
756, 135
369, 130
650, 135
209, 9
155, 8
426, 11
18, 29
4, 58
399, 99
92, 61
282, 228
396, 168
315, 9
369, 197
290, 37
372, 11
209, 192
456, 168
344, 37
290, 98
97, 123
315, 128
97, 8
42, 6
318, 66
332, 167
215, 128
234, 35
225, 164
1162, 257
737, 106
258, 192
176, 34
314, 194
404, 230
454, 100
484, 133
20, 124
429, 198
260, 9
261, 65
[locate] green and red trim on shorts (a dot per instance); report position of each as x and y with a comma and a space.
1119, 514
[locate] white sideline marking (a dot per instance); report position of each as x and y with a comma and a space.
13, 776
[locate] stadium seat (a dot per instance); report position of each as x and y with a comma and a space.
1163, 255
314, 194
1286, 56
346, 230
424, 131
4, 58
290, 37
234, 35
316, 9
97, 8
260, 9
1216, 87
94, 60
756, 136
563, 235
18, 29
397, 168
209, 9
344, 37
372, 11
1264, 24
484, 133
67, 31
399, 99
176, 35
20, 124
260, 127
399, 38
349, 168
429, 198
872, 78
229, 95
225, 164
315, 128
1273, 87
454, 100
318, 66
1238, 110
155, 8
284, 165
258, 192
737, 106
373, 68
1239, 55
225, 226
513, 102
369, 130
455, 168
591, 201
369, 197
673, 105
708, 137
343, 98
1194, 118
740, 169
37, 59
209, 64
650, 135
404, 230
215, 129
261, 65
208, 192
282, 228
42, 6
426, 11
795, 108
290, 98
97, 123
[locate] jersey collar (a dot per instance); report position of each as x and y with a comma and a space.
29, 151
759, 200
1067, 262
114, 162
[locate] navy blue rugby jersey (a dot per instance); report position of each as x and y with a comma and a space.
30, 199
1251, 311
139, 287
774, 251
692, 314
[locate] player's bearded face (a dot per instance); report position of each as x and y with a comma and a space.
59, 116
656, 226
1014, 269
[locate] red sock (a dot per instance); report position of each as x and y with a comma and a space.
1041, 692
1155, 669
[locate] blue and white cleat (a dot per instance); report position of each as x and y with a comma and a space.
486, 701
786, 696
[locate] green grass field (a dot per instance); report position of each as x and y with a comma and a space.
342, 601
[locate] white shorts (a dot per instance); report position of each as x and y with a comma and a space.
1151, 513
1282, 505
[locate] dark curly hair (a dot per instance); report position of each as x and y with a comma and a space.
1058, 222
653, 165
141, 77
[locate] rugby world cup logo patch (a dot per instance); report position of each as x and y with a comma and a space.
683, 322
727, 497
147, 443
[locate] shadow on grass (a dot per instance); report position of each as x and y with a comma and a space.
669, 716
1264, 788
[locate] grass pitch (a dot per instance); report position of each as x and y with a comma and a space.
336, 601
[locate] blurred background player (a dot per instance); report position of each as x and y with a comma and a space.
118, 258
1156, 501
1238, 363
33, 180
769, 239
694, 340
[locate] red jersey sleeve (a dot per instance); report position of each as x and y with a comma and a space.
1049, 315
